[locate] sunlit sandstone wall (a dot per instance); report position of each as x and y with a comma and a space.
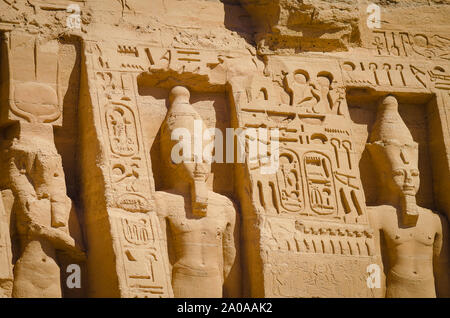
312, 69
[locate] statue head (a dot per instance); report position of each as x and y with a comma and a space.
395, 155
180, 133
398, 166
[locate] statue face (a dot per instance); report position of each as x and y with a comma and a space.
190, 169
406, 179
197, 172
402, 172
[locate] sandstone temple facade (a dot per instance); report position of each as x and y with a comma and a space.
354, 95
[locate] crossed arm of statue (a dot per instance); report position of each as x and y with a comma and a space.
60, 240
38, 182
229, 249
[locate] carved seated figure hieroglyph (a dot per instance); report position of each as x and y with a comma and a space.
199, 223
413, 240
41, 210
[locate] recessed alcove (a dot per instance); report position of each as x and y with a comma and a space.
416, 111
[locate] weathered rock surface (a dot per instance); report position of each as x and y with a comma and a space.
342, 186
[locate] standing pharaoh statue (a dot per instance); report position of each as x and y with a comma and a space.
413, 240
199, 223
41, 210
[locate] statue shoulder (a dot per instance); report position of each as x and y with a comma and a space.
377, 214
166, 195
219, 199
159, 196
381, 209
161, 199
437, 218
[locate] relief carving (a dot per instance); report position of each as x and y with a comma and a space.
314, 205
320, 183
33, 79
130, 213
91, 100
407, 44
387, 73
141, 259
122, 130
290, 183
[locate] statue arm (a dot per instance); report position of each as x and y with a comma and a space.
50, 170
37, 185
60, 240
441, 259
25, 171
229, 250
20, 184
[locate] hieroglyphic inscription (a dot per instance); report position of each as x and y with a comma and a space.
321, 189
313, 121
129, 185
406, 44
141, 258
384, 73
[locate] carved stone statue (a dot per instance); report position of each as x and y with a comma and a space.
6, 279
41, 210
413, 240
199, 223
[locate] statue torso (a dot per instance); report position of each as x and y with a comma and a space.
196, 241
410, 251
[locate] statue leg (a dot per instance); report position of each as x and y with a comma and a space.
36, 273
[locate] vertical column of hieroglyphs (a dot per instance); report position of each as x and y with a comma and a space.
132, 247
313, 228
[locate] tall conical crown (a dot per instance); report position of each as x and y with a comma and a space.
182, 115
389, 126
390, 138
